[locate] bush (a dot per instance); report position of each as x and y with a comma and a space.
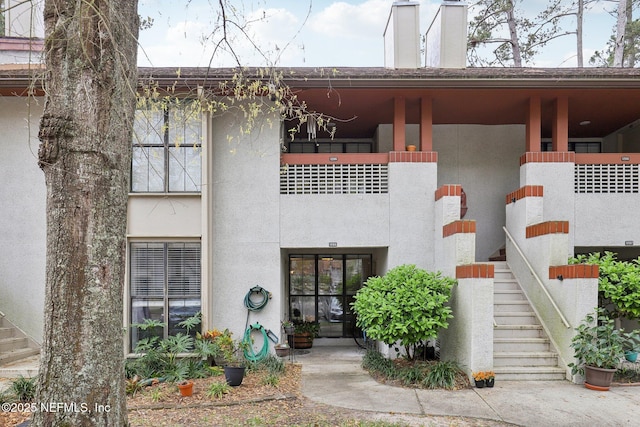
24, 388
406, 305
618, 283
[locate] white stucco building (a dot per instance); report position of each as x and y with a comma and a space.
548, 160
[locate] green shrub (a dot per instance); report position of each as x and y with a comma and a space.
271, 379
406, 305
24, 388
618, 283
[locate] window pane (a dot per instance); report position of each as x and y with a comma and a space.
303, 275
303, 308
147, 169
184, 269
142, 309
185, 125
358, 271
329, 275
147, 269
148, 128
185, 168
179, 311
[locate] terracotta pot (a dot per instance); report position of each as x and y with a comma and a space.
598, 378
411, 148
282, 350
186, 389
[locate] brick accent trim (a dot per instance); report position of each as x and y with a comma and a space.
413, 157
575, 271
448, 190
475, 271
459, 226
548, 227
548, 157
526, 191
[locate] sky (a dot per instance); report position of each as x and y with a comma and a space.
312, 33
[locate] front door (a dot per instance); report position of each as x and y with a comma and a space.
321, 288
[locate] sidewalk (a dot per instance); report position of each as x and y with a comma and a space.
333, 376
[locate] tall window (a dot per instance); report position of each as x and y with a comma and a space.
167, 147
165, 285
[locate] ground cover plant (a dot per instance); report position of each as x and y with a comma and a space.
418, 373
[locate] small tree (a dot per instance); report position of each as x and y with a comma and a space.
407, 305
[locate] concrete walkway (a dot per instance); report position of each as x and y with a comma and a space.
333, 376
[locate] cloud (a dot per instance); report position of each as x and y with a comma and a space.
356, 21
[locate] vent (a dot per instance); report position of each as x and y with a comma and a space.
334, 179
606, 178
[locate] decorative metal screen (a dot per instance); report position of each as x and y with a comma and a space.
334, 179
606, 178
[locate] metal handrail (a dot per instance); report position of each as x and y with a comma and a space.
544, 289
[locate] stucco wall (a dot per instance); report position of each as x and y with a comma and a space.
245, 219
164, 216
485, 161
22, 216
607, 219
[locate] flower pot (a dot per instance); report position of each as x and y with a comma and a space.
234, 375
411, 148
186, 388
480, 383
598, 378
288, 330
302, 341
631, 356
282, 350
491, 382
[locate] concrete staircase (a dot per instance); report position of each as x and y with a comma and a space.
14, 344
521, 348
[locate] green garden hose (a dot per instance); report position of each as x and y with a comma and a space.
256, 306
249, 352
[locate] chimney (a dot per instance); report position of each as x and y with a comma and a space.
402, 36
446, 44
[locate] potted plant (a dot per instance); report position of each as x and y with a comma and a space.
186, 388
233, 358
484, 378
282, 349
598, 348
304, 333
632, 346
288, 327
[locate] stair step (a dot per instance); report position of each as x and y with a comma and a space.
511, 306
515, 318
505, 285
518, 331
529, 373
520, 344
13, 343
525, 358
6, 333
13, 355
509, 295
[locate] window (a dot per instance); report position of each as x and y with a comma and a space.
576, 146
330, 146
167, 147
165, 285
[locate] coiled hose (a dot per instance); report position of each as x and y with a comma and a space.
249, 352
256, 306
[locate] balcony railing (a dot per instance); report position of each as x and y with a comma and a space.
611, 173
334, 179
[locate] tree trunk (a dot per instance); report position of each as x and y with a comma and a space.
513, 35
85, 154
618, 53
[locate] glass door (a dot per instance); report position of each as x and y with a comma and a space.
321, 288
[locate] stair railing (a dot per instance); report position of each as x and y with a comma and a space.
537, 278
